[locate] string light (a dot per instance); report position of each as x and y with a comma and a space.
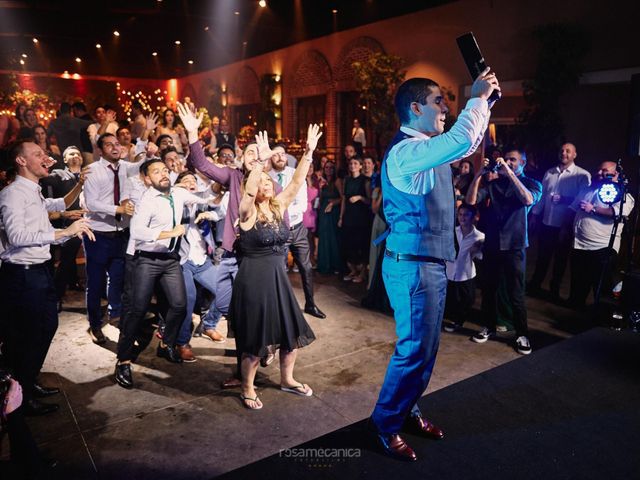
116, 33
98, 46
35, 40
262, 3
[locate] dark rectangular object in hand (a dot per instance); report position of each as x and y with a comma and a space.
473, 58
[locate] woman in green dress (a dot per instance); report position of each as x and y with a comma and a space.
329, 257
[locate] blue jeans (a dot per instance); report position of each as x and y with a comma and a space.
227, 271
417, 291
104, 257
207, 276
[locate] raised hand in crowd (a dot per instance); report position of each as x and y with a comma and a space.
190, 121
264, 151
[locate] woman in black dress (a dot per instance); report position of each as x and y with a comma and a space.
355, 220
264, 310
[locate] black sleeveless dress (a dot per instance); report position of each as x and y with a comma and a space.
264, 312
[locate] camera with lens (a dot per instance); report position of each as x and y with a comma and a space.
493, 166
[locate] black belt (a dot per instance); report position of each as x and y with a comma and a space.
298, 225
407, 257
158, 255
113, 233
18, 266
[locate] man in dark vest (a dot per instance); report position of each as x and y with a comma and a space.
418, 202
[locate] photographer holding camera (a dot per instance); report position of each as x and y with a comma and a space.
511, 197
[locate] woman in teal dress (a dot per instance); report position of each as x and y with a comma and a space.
329, 257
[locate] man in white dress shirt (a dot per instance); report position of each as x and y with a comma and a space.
298, 241
29, 316
157, 230
109, 211
560, 186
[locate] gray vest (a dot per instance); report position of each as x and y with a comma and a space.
420, 224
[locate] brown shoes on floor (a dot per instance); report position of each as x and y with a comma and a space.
186, 353
213, 335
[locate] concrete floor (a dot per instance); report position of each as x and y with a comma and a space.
178, 423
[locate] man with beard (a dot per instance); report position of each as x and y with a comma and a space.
157, 231
298, 242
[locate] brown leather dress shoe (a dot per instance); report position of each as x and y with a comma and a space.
186, 353
426, 428
396, 447
213, 335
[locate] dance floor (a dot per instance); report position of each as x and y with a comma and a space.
178, 424
567, 411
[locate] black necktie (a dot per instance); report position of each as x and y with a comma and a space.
116, 188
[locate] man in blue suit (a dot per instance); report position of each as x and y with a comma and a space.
418, 201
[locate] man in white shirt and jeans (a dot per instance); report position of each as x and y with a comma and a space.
28, 313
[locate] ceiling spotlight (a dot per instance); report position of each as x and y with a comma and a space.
98, 45
262, 3
24, 55
35, 40
177, 42
155, 54
116, 33
190, 62
78, 60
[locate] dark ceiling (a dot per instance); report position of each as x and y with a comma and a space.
210, 32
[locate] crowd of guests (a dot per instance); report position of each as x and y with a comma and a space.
166, 209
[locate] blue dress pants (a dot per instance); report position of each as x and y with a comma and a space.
417, 291
105, 259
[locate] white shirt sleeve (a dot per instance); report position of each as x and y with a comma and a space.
410, 163
140, 221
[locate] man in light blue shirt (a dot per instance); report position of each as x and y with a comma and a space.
418, 202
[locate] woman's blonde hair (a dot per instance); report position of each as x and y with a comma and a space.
274, 205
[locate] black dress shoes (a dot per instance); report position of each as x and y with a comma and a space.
314, 311
425, 427
40, 392
396, 447
169, 353
124, 377
34, 408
